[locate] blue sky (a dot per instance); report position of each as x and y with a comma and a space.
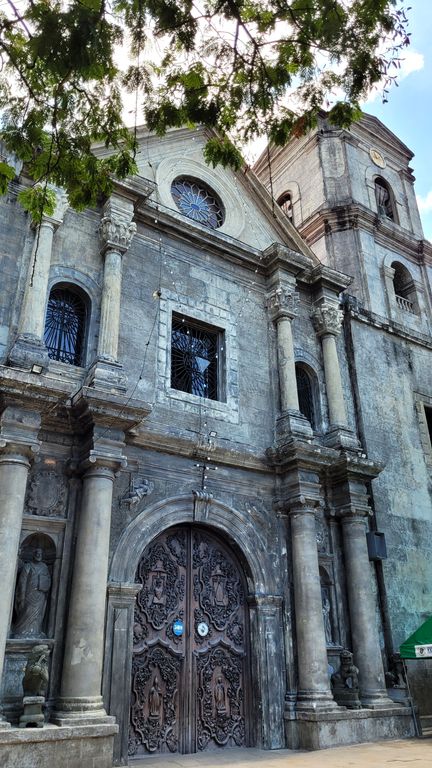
408, 112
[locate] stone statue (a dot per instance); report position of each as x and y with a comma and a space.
31, 595
345, 685
326, 609
35, 681
35, 686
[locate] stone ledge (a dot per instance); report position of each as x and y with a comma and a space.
51, 733
319, 731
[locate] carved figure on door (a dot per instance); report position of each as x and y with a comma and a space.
218, 587
155, 700
31, 595
219, 696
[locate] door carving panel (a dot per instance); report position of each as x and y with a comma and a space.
190, 673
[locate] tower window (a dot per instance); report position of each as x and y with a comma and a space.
306, 390
383, 198
65, 326
404, 288
196, 356
286, 204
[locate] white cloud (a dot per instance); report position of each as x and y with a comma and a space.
425, 203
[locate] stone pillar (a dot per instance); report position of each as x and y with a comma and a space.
80, 697
314, 692
364, 632
327, 319
18, 445
116, 232
282, 305
29, 348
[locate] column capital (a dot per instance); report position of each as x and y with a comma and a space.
283, 303
19, 434
117, 228
327, 319
304, 506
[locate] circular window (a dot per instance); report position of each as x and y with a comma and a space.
197, 202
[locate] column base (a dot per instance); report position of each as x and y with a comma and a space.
81, 711
341, 437
316, 701
377, 700
107, 375
28, 351
291, 424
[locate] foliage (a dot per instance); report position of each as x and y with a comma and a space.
243, 67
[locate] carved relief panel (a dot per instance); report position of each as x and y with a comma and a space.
46, 493
190, 663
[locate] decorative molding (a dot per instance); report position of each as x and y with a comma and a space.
117, 229
46, 494
283, 302
327, 319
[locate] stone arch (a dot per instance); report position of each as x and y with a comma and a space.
244, 538
249, 543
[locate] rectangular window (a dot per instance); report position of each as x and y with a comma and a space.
428, 414
196, 358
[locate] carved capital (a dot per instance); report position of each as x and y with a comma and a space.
283, 302
327, 319
304, 506
117, 228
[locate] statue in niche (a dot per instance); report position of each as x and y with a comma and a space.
345, 684
31, 596
155, 700
219, 696
326, 610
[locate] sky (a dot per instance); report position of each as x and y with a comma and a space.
408, 112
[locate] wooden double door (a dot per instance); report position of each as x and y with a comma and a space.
190, 665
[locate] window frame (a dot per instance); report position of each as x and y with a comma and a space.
219, 334
73, 289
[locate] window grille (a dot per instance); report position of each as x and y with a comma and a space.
194, 358
64, 326
305, 395
197, 202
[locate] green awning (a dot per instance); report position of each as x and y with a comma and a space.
419, 644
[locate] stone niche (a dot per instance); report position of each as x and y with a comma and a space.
33, 613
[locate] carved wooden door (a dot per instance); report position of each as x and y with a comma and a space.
190, 661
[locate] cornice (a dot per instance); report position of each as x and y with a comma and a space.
355, 216
362, 315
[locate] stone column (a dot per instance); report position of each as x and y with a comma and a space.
364, 632
18, 445
282, 305
29, 348
327, 319
80, 697
314, 692
116, 232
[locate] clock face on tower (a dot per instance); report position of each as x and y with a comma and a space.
377, 158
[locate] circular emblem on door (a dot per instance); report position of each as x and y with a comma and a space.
202, 629
178, 627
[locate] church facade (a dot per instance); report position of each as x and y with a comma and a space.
215, 412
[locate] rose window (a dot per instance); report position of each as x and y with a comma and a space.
197, 202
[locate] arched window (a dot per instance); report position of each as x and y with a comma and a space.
307, 394
384, 200
404, 288
286, 204
65, 325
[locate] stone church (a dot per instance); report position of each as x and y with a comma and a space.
215, 455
